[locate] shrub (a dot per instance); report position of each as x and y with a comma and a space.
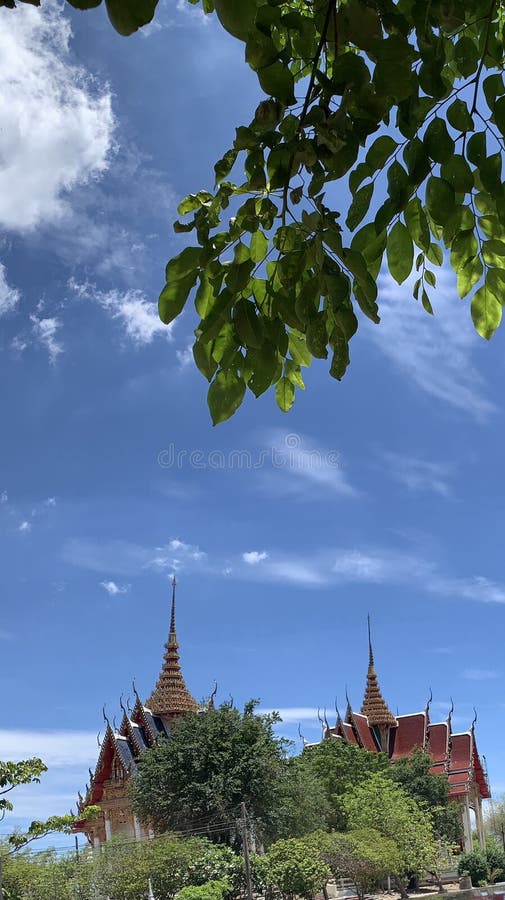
212, 890
474, 864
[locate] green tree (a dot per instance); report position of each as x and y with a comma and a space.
386, 112
365, 856
380, 804
431, 792
209, 765
494, 820
294, 866
12, 775
336, 767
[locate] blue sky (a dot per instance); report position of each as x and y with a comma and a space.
381, 494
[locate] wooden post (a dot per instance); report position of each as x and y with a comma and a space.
245, 846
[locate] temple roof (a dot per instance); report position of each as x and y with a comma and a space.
171, 697
374, 706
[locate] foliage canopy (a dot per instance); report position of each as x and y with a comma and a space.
211, 763
379, 146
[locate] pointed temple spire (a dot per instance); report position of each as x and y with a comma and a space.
171, 696
374, 706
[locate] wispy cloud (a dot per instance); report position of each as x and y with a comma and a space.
480, 674
420, 475
437, 353
45, 331
113, 588
137, 316
56, 748
294, 463
50, 110
318, 568
293, 713
25, 526
9, 296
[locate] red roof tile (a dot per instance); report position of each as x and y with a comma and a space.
410, 733
365, 733
438, 737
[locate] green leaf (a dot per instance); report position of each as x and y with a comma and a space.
486, 312
259, 246
493, 252
298, 349
225, 395
187, 261
438, 142
248, 325
466, 56
459, 117
202, 354
463, 249
285, 394
493, 87
417, 223
237, 18
277, 81
469, 276
400, 252
224, 166
476, 151
316, 336
440, 199
173, 297
380, 151
499, 114
495, 280
294, 373
398, 185
359, 206
128, 16
457, 173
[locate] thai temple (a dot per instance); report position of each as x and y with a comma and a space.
140, 728
374, 728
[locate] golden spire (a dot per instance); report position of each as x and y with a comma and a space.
374, 706
171, 696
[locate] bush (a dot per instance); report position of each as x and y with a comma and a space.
495, 863
295, 867
212, 890
474, 864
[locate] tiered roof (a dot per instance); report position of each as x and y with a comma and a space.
171, 697
143, 725
452, 754
374, 706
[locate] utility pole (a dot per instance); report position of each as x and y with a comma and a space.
245, 846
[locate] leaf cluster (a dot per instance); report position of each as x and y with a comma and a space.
403, 106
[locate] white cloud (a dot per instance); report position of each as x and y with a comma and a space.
56, 748
185, 357
296, 571
56, 125
51, 501
435, 352
137, 315
312, 568
293, 713
480, 674
378, 566
113, 589
294, 463
4, 497
419, 475
25, 526
253, 557
45, 331
9, 297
